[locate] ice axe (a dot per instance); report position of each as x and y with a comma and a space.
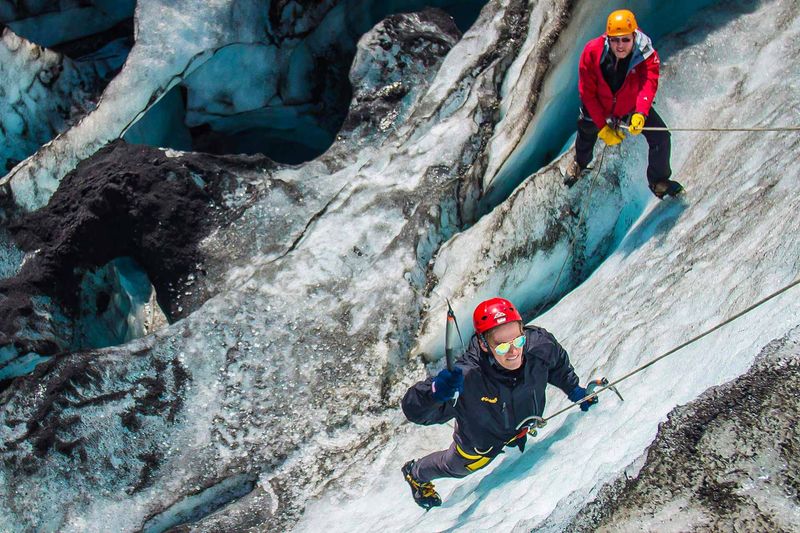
449, 341
602, 382
590, 395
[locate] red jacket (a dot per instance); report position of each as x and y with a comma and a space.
637, 91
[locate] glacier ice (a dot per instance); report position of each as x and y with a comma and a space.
680, 268
175, 54
117, 305
114, 255
551, 101
291, 91
722, 462
284, 382
228, 386
169, 52
49, 94
52, 23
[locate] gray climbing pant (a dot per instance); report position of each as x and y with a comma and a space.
452, 462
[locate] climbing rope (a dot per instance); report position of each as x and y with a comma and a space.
584, 207
673, 350
655, 128
597, 173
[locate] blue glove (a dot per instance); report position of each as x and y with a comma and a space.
579, 393
447, 383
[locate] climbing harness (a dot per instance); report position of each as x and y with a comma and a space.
478, 461
604, 385
584, 208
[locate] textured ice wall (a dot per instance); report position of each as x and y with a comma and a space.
292, 90
727, 461
164, 53
289, 368
44, 94
287, 381
52, 22
550, 103
288, 78
683, 267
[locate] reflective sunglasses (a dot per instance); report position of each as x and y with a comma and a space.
616, 40
504, 347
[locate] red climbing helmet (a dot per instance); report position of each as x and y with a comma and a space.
492, 313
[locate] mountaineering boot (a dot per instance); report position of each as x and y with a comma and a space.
666, 188
424, 493
574, 173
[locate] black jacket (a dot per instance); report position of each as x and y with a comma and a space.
495, 402
615, 70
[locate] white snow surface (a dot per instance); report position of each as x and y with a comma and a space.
683, 267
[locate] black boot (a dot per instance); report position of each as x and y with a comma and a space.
666, 188
424, 493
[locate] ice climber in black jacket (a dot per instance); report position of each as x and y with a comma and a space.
493, 392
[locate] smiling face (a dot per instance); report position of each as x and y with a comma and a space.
506, 333
621, 45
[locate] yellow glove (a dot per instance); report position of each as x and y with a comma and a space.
637, 123
611, 136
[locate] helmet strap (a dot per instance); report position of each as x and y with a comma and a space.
482, 338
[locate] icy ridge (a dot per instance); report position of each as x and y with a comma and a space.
193, 29
726, 461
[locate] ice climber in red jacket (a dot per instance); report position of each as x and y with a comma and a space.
617, 82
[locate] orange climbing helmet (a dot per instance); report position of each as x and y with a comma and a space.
621, 22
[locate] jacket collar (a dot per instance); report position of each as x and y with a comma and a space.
491, 368
642, 49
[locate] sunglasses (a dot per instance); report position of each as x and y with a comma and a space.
504, 347
616, 40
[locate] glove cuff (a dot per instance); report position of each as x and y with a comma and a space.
578, 393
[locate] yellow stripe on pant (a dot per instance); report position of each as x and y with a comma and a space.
479, 461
